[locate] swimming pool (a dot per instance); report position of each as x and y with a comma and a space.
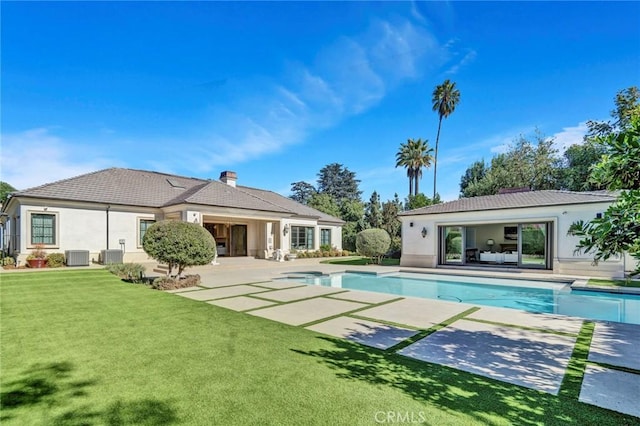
525, 295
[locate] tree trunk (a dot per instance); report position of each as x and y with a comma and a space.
435, 159
410, 185
417, 176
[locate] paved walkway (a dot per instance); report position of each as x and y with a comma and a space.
522, 348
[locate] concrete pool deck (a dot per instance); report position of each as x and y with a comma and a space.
522, 348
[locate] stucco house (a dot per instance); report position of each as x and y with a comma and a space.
112, 208
525, 230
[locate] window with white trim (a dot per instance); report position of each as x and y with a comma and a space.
302, 238
325, 237
143, 226
43, 228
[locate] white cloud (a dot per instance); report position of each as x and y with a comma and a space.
37, 156
570, 136
416, 13
346, 78
466, 59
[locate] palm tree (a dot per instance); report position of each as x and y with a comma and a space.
445, 99
403, 158
414, 155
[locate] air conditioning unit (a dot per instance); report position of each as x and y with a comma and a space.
77, 257
111, 256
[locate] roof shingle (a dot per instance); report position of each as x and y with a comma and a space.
515, 200
153, 189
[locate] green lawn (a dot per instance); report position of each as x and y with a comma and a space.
613, 283
361, 261
82, 347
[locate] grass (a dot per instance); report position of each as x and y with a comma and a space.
82, 347
613, 283
361, 261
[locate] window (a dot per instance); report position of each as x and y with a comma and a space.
302, 238
325, 237
144, 225
43, 228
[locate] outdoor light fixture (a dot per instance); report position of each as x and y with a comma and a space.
424, 232
490, 243
285, 231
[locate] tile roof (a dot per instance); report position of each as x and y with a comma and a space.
153, 189
515, 200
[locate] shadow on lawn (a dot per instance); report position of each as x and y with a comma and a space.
52, 386
488, 401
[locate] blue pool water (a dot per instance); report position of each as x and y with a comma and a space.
525, 295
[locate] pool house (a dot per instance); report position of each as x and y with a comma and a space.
525, 230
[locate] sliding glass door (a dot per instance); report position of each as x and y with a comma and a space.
534, 245
453, 244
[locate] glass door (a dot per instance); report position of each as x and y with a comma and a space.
238, 240
453, 245
533, 245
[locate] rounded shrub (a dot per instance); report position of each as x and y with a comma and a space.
179, 244
373, 243
55, 260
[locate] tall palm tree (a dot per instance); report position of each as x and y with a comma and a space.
445, 99
414, 155
403, 158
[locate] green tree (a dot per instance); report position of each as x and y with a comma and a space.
352, 212
445, 99
627, 103
5, 190
373, 211
325, 203
618, 230
302, 192
420, 200
339, 182
391, 223
179, 244
472, 176
414, 156
579, 159
526, 164
373, 243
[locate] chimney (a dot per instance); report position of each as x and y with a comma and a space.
229, 178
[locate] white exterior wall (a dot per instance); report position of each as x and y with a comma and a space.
423, 252
85, 228
336, 236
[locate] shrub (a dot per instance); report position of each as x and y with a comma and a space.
373, 243
132, 272
55, 260
325, 247
8, 261
179, 244
169, 283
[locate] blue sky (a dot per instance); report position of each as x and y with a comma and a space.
277, 90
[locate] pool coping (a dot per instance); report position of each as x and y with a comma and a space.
574, 284
583, 285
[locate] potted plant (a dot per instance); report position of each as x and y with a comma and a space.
38, 257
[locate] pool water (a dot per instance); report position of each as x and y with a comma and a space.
525, 295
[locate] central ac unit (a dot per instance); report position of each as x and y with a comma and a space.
77, 257
111, 256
